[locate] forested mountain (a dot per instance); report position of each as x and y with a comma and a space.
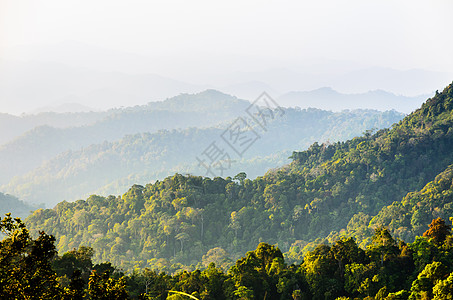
407, 218
112, 167
16, 207
12, 127
327, 188
45, 142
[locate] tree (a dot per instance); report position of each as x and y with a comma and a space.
346, 251
383, 246
422, 287
258, 271
240, 177
243, 293
73, 260
319, 267
102, 287
25, 264
443, 290
182, 236
438, 231
218, 256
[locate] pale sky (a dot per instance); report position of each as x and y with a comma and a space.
181, 38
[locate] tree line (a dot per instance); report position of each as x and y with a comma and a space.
387, 268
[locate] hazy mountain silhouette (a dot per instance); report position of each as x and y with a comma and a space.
329, 99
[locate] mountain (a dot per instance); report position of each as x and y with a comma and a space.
17, 208
56, 83
407, 218
11, 127
42, 143
329, 99
325, 190
340, 76
75, 72
407, 82
64, 108
111, 167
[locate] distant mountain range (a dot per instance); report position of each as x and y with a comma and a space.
142, 143
329, 99
99, 79
64, 108
41, 143
17, 208
12, 126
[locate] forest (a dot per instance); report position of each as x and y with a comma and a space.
354, 219
387, 268
328, 191
49, 164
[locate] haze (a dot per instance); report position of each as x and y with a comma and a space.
104, 54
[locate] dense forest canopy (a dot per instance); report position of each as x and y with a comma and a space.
385, 269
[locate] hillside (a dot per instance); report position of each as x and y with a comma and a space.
17, 208
407, 218
324, 189
12, 127
42, 143
112, 167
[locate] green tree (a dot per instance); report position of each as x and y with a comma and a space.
103, 287
320, 267
25, 264
383, 247
443, 290
422, 287
258, 271
73, 260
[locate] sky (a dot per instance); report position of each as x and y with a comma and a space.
204, 42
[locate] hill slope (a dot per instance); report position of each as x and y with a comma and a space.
181, 218
407, 218
112, 167
17, 208
12, 127
42, 143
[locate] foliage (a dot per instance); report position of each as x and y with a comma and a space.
312, 207
385, 270
25, 264
329, 190
27, 268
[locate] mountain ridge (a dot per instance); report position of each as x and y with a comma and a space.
138, 156
326, 188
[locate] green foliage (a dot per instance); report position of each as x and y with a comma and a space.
340, 271
327, 194
104, 287
330, 190
408, 218
25, 264
443, 290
